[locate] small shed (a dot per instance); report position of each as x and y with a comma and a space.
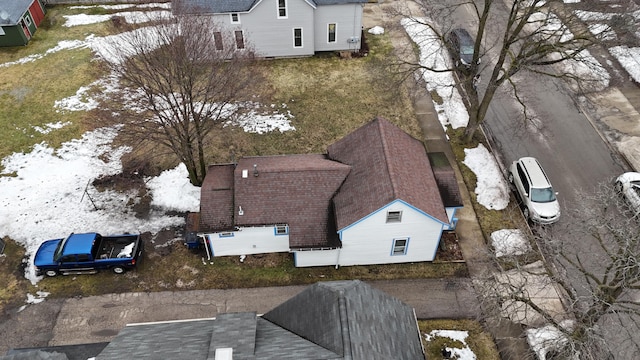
19, 20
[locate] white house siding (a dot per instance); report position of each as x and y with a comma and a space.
273, 37
348, 20
370, 241
249, 240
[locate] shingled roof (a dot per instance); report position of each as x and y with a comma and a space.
283, 189
11, 11
239, 6
334, 320
353, 320
387, 164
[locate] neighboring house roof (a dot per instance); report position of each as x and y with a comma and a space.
11, 11
291, 189
327, 321
352, 319
387, 164
231, 6
446, 179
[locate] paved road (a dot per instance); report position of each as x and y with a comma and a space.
99, 318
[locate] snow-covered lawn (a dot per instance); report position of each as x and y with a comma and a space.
491, 188
47, 193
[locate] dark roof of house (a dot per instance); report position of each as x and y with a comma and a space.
352, 319
230, 6
290, 189
11, 11
387, 164
326, 321
446, 179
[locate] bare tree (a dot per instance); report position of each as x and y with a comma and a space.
597, 283
529, 36
181, 78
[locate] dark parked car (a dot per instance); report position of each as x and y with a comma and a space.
460, 44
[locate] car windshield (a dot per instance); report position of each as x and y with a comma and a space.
543, 195
467, 50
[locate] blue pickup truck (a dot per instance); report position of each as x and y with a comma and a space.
88, 253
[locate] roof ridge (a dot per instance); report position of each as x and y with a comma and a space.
387, 156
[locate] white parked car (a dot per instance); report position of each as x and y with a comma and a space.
533, 189
628, 184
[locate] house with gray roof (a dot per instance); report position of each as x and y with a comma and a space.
282, 28
19, 20
373, 198
331, 320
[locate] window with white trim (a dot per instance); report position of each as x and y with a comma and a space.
394, 216
27, 20
297, 37
282, 9
400, 246
332, 33
239, 39
235, 18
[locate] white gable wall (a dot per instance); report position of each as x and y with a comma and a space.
348, 20
370, 241
271, 36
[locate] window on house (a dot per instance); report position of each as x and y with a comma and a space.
282, 8
400, 246
217, 38
27, 20
282, 229
297, 37
235, 18
394, 216
332, 33
239, 39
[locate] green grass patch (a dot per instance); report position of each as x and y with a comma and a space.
479, 341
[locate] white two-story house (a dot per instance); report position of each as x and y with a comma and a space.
283, 28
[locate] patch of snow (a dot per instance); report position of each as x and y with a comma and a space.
509, 242
51, 126
491, 188
172, 190
464, 353
376, 30
629, 58
433, 55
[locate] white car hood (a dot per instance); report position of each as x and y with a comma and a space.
548, 209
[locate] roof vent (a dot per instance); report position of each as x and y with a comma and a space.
224, 354
255, 170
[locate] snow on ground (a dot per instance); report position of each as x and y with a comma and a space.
47, 193
464, 353
509, 242
433, 55
491, 187
629, 58
545, 339
131, 17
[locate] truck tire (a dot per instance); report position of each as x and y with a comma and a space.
51, 273
118, 269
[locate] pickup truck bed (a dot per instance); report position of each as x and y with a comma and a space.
115, 247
